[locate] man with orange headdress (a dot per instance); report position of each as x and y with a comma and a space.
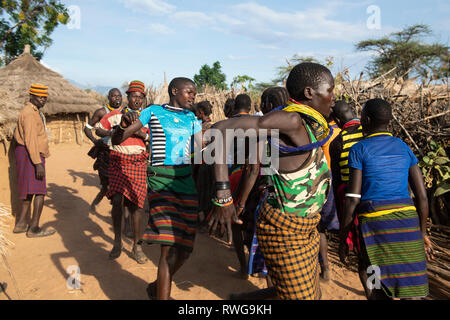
30, 152
127, 187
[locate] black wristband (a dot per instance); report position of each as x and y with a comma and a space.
224, 185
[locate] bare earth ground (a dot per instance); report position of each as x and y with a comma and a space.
40, 266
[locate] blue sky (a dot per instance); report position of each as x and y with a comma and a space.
124, 40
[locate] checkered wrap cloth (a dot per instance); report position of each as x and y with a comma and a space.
290, 246
128, 176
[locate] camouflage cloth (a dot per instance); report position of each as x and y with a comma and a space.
302, 192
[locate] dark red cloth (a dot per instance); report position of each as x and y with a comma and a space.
101, 164
353, 238
128, 176
27, 184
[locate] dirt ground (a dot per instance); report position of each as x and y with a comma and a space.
42, 267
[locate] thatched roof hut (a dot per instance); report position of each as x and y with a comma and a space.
17, 77
65, 100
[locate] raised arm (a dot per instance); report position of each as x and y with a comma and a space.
288, 123
128, 126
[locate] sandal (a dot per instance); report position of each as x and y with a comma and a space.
139, 255
40, 233
18, 230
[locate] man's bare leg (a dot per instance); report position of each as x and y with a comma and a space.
323, 250
136, 219
37, 211
23, 217
170, 262
238, 242
35, 231
99, 197
127, 224
117, 213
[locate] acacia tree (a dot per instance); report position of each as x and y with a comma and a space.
284, 71
408, 52
244, 82
28, 22
212, 76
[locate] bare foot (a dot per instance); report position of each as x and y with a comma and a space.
115, 252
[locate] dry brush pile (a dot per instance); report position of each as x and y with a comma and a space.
421, 119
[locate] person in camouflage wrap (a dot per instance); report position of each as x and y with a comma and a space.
287, 224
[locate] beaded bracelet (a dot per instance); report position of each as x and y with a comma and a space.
222, 205
222, 202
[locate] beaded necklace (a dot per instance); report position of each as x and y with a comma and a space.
322, 131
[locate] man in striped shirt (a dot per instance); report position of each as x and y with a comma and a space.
100, 150
339, 149
128, 172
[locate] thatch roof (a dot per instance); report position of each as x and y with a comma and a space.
9, 108
64, 98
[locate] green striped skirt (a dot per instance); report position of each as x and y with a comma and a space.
393, 242
173, 206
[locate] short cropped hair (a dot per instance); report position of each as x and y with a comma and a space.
379, 111
177, 83
306, 74
243, 102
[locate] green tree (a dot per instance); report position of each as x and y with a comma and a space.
212, 76
407, 51
28, 22
244, 82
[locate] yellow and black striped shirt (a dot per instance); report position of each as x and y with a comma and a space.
349, 139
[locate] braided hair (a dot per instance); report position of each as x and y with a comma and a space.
273, 97
204, 106
228, 108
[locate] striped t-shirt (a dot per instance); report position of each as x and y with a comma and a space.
171, 134
349, 139
132, 145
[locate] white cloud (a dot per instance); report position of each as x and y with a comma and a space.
193, 18
269, 47
265, 24
154, 28
153, 7
232, 57
271, 27
160, 29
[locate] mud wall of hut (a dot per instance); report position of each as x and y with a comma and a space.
67, 128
